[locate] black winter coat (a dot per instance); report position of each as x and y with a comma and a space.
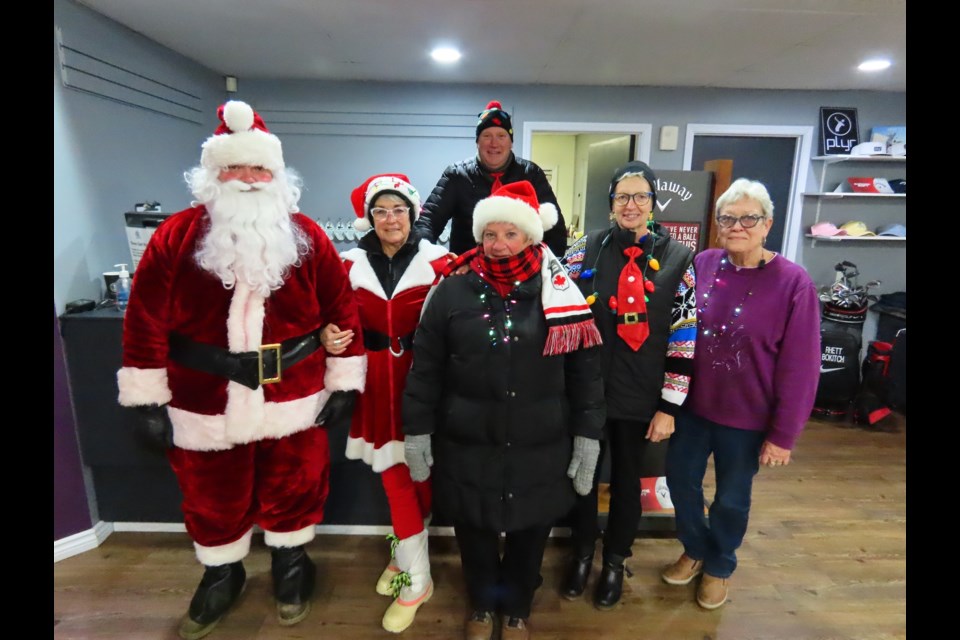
502, 415
464, 184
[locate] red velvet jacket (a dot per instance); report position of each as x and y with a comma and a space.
376, 433
171, 292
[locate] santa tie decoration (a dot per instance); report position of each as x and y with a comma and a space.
631, 303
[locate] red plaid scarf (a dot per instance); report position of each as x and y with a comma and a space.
504, 273
568, 315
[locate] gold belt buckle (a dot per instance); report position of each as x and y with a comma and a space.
268, 347
632, 317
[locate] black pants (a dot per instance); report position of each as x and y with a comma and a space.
503, 585
627, 443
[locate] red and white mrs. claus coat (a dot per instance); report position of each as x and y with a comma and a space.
376, 433
172, 293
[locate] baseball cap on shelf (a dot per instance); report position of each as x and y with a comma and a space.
870, 185
826, 229
899, 185
895, 229
870, 149
856, 229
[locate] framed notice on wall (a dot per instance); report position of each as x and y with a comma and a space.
687, 233
839, 130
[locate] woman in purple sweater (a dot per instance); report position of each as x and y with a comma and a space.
752, 388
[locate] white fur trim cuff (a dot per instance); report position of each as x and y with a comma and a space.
346, 374
142, 386
381, 459
504, 209
225, 553
289, 538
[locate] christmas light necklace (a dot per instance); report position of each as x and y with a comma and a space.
719, 329
648, 285
487, 301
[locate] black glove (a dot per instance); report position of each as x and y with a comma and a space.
154, 427
339, 406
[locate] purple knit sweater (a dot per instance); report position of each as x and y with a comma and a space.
756, 370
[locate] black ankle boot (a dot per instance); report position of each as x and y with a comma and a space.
217, 592
610, 584
575, 580
294, 576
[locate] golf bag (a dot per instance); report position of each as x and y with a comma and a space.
839, 371
897, 373
841, 336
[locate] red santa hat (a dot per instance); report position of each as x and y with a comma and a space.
515, 203
242, 138
363, 197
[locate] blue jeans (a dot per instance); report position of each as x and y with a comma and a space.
736, 459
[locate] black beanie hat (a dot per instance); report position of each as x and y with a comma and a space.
635, 166
494, 116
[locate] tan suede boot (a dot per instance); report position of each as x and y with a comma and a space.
683, 571
712, 592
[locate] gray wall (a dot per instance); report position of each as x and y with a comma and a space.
110, 154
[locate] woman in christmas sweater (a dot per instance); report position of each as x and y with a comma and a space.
391, 270
752, 389
640, 284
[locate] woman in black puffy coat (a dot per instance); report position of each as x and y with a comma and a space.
505, 401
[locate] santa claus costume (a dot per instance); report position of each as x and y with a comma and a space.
233, 358
390, 292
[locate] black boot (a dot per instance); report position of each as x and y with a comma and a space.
575, 580
293, 578
610, 583
218, 591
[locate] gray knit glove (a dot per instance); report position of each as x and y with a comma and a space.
583, 463
419, 456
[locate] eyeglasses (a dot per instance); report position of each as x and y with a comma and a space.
640, 198
381, 214
747, 221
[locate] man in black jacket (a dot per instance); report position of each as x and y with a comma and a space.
463, 184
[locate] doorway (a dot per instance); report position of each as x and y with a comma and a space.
579, 159
776, 156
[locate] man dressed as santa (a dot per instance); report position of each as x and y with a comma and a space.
222, 355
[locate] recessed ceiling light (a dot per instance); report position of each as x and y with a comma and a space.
445, 55
874, 65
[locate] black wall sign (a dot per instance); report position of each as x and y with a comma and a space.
839, 131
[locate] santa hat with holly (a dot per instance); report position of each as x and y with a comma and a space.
363, 197
241, 139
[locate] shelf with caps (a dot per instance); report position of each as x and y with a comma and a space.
826, 198
844, 194
856, 238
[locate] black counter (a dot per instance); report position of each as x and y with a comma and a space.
134, 483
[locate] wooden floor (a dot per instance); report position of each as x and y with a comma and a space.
824, 559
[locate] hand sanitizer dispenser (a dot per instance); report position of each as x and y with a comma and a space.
123, 287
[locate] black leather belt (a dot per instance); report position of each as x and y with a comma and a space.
250, 368
631, 318
376, 341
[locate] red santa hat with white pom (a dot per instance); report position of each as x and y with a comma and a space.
363, 197
516, 203
241, 139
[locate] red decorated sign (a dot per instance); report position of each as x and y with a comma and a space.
687, 233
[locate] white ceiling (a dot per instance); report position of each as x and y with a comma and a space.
752, 44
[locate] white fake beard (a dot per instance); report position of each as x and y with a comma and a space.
252, 238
